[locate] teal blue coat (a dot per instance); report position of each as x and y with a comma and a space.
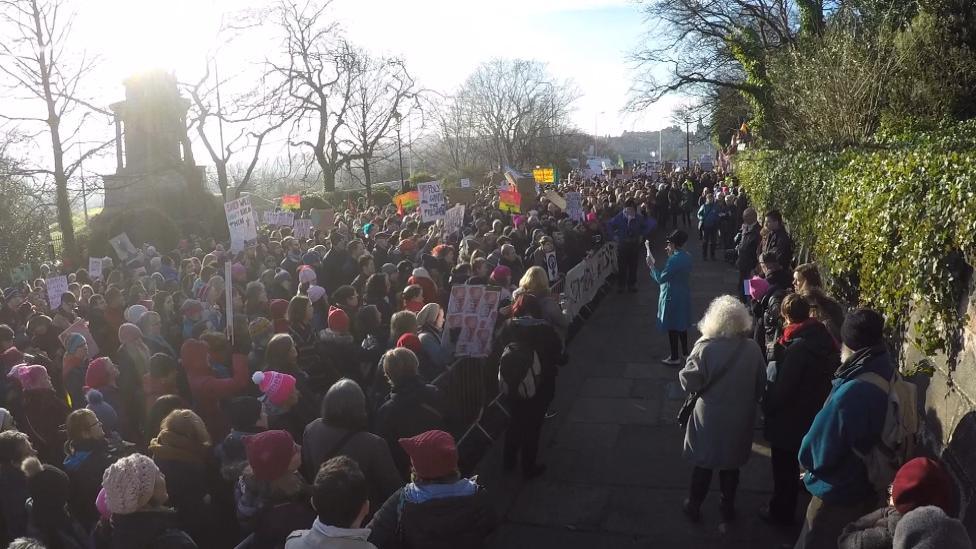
674, 303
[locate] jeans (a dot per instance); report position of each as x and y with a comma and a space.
728, 481
709, 235
525, 427
674, 337
786, 484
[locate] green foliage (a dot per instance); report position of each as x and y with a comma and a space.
892, 225
748, 51
382, 198
310, 201
421, 177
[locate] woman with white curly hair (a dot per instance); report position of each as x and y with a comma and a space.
726, 368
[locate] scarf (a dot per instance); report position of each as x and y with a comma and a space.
421, 493
793, 328
361, 534
170, 445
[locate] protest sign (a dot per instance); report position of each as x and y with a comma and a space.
123, 248
585, 279
543, 175
574, 206
471, 314
552, 267
240, 221
95, 268
21, 273
465, 183
56, 286
556, 199
268, 217
80, 326
509, 201
504, 185
406, 201
432, 203
302, 228
322, 219
285, 219
454, 219
291, 202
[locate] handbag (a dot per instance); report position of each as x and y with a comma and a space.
688, 408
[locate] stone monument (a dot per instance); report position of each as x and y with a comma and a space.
153, 153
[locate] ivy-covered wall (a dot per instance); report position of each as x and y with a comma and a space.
893, 227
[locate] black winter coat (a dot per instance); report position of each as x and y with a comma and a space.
748, 250
805, 364
876, 530
780, 243
85, 465
446, 523
155, 529
767, 311
412, 408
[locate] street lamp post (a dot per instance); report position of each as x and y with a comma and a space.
397, 116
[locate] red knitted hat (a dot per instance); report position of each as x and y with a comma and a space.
432, 454
269, 454
920, 482
410, 341
338, 320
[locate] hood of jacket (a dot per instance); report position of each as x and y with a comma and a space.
328, 336
814, 338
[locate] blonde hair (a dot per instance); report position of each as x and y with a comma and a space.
535, 281
79, 424
726, 316
188, 424
399, 365
402, 322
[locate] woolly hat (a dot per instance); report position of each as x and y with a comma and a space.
269, 454
282, 276
243, 411
920, 482
278, 308
420, 272
677, 237
591, 218
129, 333
6, 420
500, 273
129, 483
410, 341
315, 293
276, 386
11, 357
74, 342
259, 327
311, 257
862, 328
758, 287
930, 528
388, 269
98, 375
134, 313
338, 320
238, 272
306, 274
31, 377
102, 410
432, 454
12, 292
428, 314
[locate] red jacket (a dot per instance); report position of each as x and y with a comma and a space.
208, 390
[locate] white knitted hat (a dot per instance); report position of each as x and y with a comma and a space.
129, 483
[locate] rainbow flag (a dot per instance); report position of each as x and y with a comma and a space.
291, 202
510, 201
406, 201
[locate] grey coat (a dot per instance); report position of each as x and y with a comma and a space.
719, 434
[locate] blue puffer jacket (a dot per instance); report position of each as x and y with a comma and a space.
851, 418
630, 231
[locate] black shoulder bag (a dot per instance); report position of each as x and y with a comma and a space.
688, 408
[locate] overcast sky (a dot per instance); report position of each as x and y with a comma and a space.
442, 42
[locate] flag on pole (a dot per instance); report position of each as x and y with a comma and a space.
291, 202
510, 201
406, 201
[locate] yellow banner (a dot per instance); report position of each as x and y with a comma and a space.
543, 175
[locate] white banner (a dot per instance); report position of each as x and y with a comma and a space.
432, 202
574, 206
585, 279
55, 288
229, 300
240, 221
95, 268
454, 220
473, 310
302, 228
465, 183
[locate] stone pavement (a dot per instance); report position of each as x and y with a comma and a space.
615, 476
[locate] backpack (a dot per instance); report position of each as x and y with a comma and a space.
897, 441
519, 371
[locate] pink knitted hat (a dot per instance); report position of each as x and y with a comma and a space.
129, 483
129, 333
31, 377
306, 274
277, 386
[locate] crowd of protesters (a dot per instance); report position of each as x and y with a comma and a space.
822, 381
302, 411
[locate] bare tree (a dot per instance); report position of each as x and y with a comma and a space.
456, 130
48, 74
381, 89
317, 76
515, 103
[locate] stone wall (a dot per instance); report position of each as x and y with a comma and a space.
948, 401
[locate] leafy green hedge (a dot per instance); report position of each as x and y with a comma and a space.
892, 225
